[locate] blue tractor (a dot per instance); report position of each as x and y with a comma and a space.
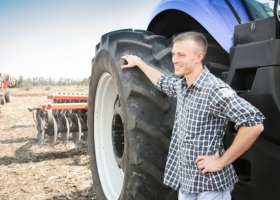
130, 121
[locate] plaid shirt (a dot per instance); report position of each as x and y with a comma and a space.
202, 112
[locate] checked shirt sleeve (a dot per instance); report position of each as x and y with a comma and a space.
167, 84
227, 104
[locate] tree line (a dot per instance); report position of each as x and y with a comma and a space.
47, 81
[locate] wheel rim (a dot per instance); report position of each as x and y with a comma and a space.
110, 174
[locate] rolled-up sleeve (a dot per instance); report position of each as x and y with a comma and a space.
226, 103
168, 85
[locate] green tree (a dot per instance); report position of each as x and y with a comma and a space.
20, 82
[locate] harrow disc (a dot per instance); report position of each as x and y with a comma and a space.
41, 130
84, 130
51, 128
65, 129
75, 128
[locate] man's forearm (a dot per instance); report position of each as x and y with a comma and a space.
152, 73
244, 139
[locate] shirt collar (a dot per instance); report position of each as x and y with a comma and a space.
199, 82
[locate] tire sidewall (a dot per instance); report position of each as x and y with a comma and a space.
103, 63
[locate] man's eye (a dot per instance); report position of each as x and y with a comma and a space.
178, 55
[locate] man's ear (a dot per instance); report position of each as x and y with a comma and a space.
200, 56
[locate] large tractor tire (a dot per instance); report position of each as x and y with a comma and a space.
129, 120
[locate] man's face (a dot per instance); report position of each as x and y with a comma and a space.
184, 57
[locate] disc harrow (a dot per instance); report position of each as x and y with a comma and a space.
64, 114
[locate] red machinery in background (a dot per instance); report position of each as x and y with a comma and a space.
5, 82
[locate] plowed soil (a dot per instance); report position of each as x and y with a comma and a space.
28, 171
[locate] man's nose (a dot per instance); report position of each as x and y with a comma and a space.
174, 59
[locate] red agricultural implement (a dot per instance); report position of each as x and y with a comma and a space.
5, 82
64, 114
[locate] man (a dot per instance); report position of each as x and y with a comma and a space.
197, 163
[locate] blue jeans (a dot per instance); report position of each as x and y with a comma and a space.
211, 195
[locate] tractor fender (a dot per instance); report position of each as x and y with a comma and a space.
215, 16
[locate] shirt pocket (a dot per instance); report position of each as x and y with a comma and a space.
197, 118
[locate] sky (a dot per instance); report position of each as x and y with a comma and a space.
57, 38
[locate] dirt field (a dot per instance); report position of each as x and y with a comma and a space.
30, 172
